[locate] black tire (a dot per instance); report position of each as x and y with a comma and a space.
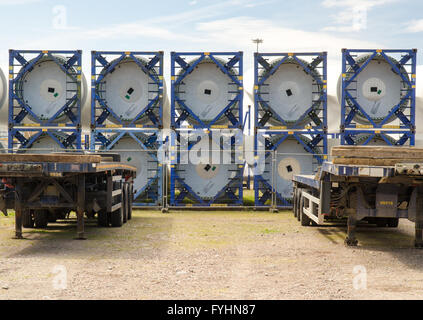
393, 222
102, 219
52, 217
381, 222
41, 219
124, 198
27, 219
117, 218
298, 214
305, 220
294, 202
131, 200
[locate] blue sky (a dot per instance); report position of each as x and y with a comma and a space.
200, 25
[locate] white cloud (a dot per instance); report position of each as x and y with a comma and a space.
414, 26
17, 2
353, 13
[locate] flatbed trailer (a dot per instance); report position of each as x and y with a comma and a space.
44, 188
377, 194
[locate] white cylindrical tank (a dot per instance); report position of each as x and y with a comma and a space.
291, 159
290, 92
3, 89
46, 88
128, 90
46, 144
207, 176
207, 91
132, 153
377, 89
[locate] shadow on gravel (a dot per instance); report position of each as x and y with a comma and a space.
140, 237
398, 242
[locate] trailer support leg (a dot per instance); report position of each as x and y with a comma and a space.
81, 207
351, 240
419, 220
18, 212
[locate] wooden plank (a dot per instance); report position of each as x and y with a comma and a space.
371, 152
372, 162
56, 158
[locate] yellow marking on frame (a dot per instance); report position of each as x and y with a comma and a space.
45, 51
160, 77
78, 68
206, 53
44, 130
10, 76
377, 131
325, 87
10, 67
379, 50
78, 77
218, 205
290, 54
219, 127
173, 78
256, 87
362, 126
92, 77
325, 81
241, 88
291, 133
344, 75
277, 128
413, 76
140, 126
325, 157
240, 78
128, 53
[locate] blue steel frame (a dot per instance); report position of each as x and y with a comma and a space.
318, 61
153, 190
23, 138
233, 111
396, 137
408, 61
99, 62
19, 110
263, 189
226, 197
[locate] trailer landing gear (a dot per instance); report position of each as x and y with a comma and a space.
351, 240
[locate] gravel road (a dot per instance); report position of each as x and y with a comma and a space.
210, 255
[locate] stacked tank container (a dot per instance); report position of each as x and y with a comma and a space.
290, 96
377, 93
127, 102
46, 92
206, 102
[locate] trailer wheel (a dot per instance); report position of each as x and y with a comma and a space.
102, 220
125, 202
41, 219
294, 200
381, 222
393, 222
27, 219
131, 200
305, 220
52, 217
117, 218
298, 213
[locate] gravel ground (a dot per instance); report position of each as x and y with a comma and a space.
210, 255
